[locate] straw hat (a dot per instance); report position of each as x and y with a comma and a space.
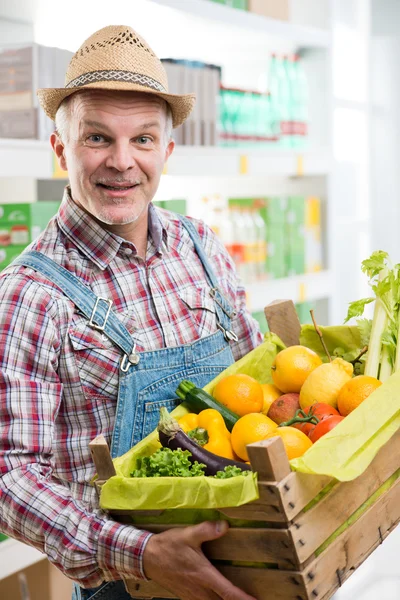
117, 58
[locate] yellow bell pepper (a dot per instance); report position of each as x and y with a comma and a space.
189, 422
211, 430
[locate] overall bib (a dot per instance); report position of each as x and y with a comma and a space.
148, 380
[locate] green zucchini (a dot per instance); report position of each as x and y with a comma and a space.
197, 400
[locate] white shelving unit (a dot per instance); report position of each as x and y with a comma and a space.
274, 29
25, 158
32, 158
16, 556
309, 287
251, 162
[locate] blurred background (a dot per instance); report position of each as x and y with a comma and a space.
289, 156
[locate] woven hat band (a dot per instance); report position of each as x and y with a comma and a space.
128, 76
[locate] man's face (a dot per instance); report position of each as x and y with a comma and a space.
115, 152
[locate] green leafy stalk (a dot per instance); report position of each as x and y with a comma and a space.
379, 323
381, 336
397, 359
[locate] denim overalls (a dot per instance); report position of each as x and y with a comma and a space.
147, 380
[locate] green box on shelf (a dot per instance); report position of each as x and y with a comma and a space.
259, 316
178, 206
295, 249
276, 250
8, 253
20, 224
296, 210
303, 312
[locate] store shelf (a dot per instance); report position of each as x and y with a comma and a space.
15, 556
299, 288
231, 162
273, 28
31, 158
25, 158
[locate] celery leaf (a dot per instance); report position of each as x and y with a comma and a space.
373, 265
364, 327
356, 308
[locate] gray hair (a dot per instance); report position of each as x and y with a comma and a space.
63, 115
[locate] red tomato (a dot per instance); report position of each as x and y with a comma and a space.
321, 411
304, 427
324, 426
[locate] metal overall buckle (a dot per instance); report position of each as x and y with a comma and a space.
229, 335
103, 325
128, 360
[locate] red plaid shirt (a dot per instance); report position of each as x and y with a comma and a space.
55, 397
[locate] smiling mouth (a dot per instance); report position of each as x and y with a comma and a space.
118, 188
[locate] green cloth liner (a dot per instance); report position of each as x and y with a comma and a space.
343, 453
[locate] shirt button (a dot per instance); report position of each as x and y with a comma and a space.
128, 251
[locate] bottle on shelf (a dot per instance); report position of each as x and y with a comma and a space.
273, 84
302, 100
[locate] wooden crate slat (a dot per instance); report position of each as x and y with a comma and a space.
320, 579
269, 459
245, 544
343, 500
261, 583
255, 512
297, 490
353, 546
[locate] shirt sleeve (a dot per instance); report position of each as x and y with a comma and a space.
35, 507
244, 325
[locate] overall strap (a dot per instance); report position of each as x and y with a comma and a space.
224, 310
96, 309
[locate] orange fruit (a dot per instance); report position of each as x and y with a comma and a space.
295, 441
271, 393
240, 393
355, 391
292, 366
249, 429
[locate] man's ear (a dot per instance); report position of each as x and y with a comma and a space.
169, 149
59, 150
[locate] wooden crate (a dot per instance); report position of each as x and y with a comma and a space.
292, 529
291, 543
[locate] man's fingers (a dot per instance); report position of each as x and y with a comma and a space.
224, 588
195, 535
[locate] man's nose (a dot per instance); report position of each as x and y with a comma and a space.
120, 156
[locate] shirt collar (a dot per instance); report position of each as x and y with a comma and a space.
98, 244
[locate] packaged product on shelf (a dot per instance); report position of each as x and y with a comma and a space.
276, 9
294, 227
273, 213
240, 4
22, 71
299, 93
8, 254
313, 235
20, 224
186, 76
178, 206
303, 311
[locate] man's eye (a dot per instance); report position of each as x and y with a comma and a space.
96, 138
143, 139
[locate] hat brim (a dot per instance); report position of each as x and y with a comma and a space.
181, 105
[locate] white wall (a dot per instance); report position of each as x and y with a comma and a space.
385, 126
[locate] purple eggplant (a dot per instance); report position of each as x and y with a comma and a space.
172, 436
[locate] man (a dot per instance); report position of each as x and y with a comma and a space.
113, 306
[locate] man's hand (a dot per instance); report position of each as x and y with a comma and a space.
174, 559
